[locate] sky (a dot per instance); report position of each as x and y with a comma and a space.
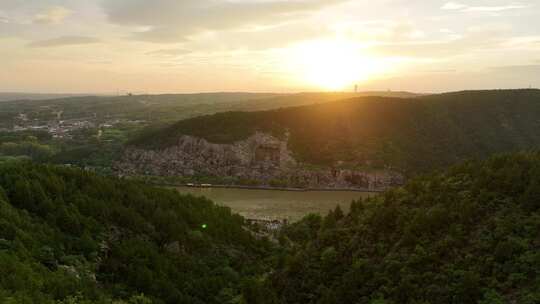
180, 46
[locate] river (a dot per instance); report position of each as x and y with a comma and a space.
273, 204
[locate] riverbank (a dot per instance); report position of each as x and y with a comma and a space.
230, 183
290, 189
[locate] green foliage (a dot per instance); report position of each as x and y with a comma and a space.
31, 149
408, 134
132, 116
69, 236
469, 235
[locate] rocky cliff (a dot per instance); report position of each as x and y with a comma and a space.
262, 158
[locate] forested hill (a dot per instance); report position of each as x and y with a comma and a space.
68, 236
467, 236
410, 134
161, 108
471, 235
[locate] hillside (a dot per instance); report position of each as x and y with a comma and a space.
89, 131
408, 134
68, 235
470, 235
159, 108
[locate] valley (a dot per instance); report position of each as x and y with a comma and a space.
100, 216
269, 152
345, 141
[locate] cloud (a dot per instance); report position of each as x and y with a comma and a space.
456, 6
64, 41
475, 39
53, 15
173, 20
260, 39
169, 52
494, 8
3, 17
453, 6
384, 31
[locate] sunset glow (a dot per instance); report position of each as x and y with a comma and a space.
166, 46
333, 64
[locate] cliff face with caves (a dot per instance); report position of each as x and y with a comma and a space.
262, 159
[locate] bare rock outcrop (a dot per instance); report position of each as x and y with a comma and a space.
262, 158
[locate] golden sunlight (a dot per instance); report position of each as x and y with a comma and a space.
333, 64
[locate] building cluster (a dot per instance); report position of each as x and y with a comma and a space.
57, 128
63, 128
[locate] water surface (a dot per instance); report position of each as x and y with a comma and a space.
273, 204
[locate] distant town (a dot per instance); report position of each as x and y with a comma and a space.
60, 128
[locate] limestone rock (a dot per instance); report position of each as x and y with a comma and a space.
262, 157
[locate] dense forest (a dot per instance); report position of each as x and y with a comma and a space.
408, 134
69, 236
470, 235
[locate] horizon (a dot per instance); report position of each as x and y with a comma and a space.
168, 47
126, 93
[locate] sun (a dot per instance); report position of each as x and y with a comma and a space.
332, 64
